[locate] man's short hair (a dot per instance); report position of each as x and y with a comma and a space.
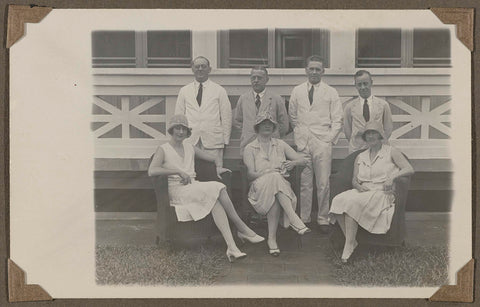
260, 67
361, 73
200, 57
314, 58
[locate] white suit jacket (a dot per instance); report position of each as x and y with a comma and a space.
323, 119
212, 121
354, 122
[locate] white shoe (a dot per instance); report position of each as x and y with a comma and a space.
301, 231
232, 256
254, 239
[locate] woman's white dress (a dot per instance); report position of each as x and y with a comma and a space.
263, 189
373, 210
192, 201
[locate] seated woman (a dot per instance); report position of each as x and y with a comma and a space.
269, 192
372, 202
193, 200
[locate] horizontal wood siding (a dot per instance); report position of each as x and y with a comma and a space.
415, 96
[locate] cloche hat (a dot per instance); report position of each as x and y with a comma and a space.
179, 120
373, 126
261, 117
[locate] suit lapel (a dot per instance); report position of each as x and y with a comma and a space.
193, 97
360, 110
306, 99
375, 105
267, 102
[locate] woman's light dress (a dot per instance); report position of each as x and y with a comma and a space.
263, 189
373, 210
193, 201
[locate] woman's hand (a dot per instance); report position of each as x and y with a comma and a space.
221, 170
185, 178
388, 184
362, 188
288, 165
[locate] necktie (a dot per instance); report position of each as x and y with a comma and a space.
366, 111
310, 95
199, 94
257, 102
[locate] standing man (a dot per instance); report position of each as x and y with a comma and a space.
366, 108
316, 115
259, 100
207, 108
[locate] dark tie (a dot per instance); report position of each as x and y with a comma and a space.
199, 94
257, 102
366, 111
310, 95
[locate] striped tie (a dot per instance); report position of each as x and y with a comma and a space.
257, 102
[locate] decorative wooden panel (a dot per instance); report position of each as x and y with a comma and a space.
129, 117
429, 115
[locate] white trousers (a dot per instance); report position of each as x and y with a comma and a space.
320, 164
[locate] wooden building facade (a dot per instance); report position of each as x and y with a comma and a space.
137, 76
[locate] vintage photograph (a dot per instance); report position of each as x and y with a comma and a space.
251, 156
236, 153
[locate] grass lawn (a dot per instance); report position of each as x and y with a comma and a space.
413, 266
149, 265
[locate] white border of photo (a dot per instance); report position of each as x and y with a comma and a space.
52, 220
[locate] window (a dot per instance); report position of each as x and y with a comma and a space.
113, 49
141, 49
379, 48
431, 47
295, 45
168, 49
272, 47
247, 48
403, 48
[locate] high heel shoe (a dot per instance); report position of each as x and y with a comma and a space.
232, 256
254, 239
275, 252
301, 231
346, 260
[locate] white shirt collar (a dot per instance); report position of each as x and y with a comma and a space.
309, 85
369, 99
204, 84
261, 94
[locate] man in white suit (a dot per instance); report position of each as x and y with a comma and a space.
316, 115
207, 108
366, 108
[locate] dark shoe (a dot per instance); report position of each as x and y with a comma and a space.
325, 229
309, 225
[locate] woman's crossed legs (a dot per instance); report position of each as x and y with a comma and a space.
224, 209
273, 217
